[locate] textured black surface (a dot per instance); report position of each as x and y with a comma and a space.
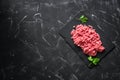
65, 33
32, 49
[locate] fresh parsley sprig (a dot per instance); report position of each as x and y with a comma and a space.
94, 60
83, 19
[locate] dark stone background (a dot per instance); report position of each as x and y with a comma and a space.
32, 49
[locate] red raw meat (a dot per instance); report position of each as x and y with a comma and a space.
87, 39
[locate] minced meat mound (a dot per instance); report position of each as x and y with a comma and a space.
87, 39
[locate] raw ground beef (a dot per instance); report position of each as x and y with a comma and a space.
87, 39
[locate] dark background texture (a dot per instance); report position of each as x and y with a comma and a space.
32, 49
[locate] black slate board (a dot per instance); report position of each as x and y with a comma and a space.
65, 33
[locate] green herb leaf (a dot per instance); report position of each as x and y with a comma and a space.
90, 58
96, 61
83, 19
